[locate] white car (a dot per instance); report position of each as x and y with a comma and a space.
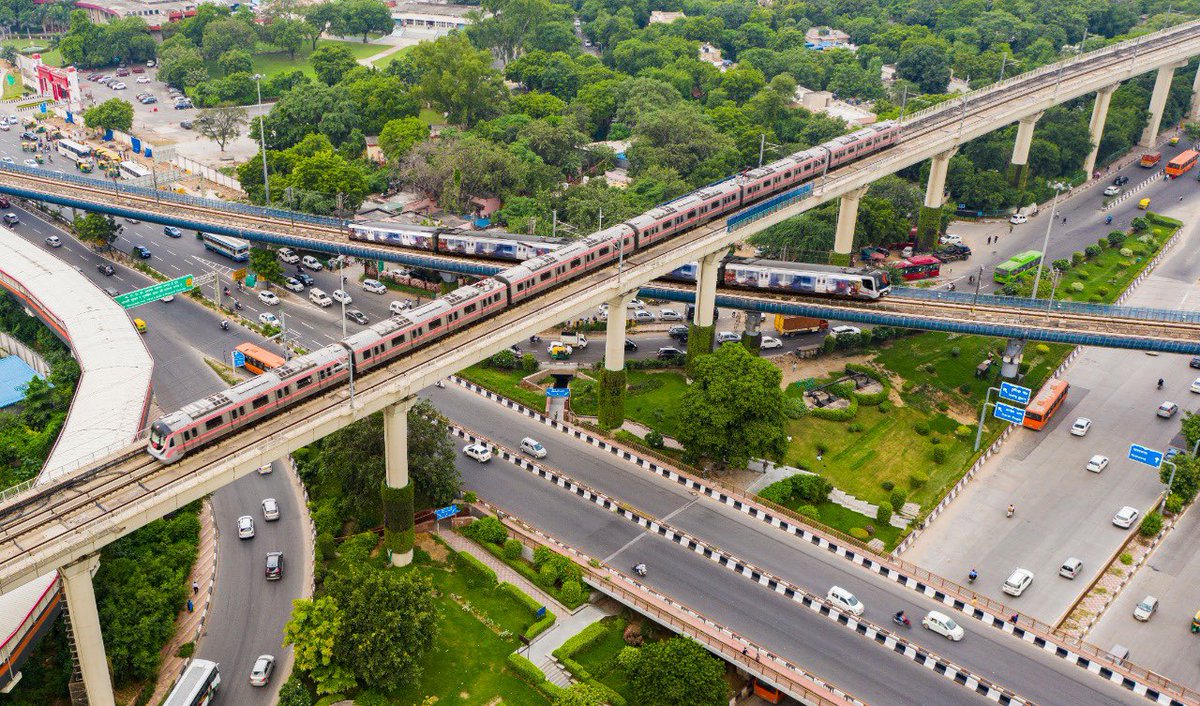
293, 284
533, 447
845, 600
1098, 463
398, 307
1125, 517
287, 255
1112, 190
268, 298
312, 263
1081, 426
339, 295
143, 79
1145, 610
268, 319
1018, 218
1195, 385
943, 625
479, 452
31, 163
245, 525
839, 330
266, 469
643, 315
54, 241
950, 239
669, 315
769, 342
1017, 582
260, 673
374, 286
728, 337
319, 298
270, 509
118, 86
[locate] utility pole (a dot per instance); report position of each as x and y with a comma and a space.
262, 137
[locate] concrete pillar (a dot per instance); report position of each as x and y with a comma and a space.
397, 491
1096, 126
1158, 101
700, 337
930, 219
1014, 351
611, 412
1194, 108
751, 336
843, 240
85, 626
1019, 169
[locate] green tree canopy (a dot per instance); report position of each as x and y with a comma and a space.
315, 632
398, 136
678, 672
331, 62
458, 79
112, 114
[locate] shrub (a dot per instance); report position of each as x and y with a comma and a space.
935, 439
1091, 251
921, 428
541, 555
540, 626
794, 407
487, 529
572, 591
829, 344
955, 352
859, 533
1102, 292
1139, 224
479, 574
939, 454
887, 485
1126, 252
470, 497
633, 636
187, 649
884, 514
1151, 525
1083, 276
1077, 286
814, 489
821, 447
854, 428
525, 669
778, 492
918, 479
512, 549
1102, 243
1126, 558
1042, 348
1174, 504
655, 440
326, 547
962, 431
529, 363
1116, 238
899, 497
505, 360
810, 511
1077, 258
965, 388
885, 407
1061, 264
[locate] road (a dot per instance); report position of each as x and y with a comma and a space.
870, 672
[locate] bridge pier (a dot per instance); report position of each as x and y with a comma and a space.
85, 629
1158, 101
1096, 126
1014, 351
1194, 109
843, 240
611, 413
1018, 171
700, 337
751, 336
929, 222
397, 491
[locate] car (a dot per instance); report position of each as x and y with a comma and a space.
1145, 610
373, 286
112, 292
480, 452
533, 448
141, 252
1017, 582
265, 469
268, 298
669, 353
1016, 219
5, 127
8, 160
1112, 190
245, 526
319, 298
168, 299
148, 100
1081, 426
11, 219
1120, 180
312, 263
138, 70
27, 135
274, 566
123, 72
669, 315
1125, 517
950, 239
183, 105
845, 600
172, 232
842, 330
287, 255
118, 85
106, 269
943, 625
644, 315
1194, 362
1070, 568
151, 63
1195, 387
1168, 409
679, 333
260, 673
357, 317
185, 124
143, 79
769, 342
1172, 452
293, 284
630, 346
1097, 463
270, 508
54, 241
587, 42
268, 319
305, 279
31, 163
728, 337
398, 307
4, 203
341, 296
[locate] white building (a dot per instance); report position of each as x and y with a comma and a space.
824, 102
431, 16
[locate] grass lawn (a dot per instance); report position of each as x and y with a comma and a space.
383, 63
14, 90
653, 398
431, 117
50, 57
506, 383
600, 660
270, 63
838, 516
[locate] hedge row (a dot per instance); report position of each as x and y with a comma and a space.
540, 626
529, 602
843, 414
467, 561
529, 672
870, 399
523, 568
584, 639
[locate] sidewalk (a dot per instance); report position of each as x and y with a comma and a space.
188, 626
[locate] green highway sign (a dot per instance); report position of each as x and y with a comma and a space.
156, 291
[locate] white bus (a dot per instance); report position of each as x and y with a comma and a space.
74, 151
197, 686
132, 170
235, 249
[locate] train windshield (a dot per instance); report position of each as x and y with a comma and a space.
158, 432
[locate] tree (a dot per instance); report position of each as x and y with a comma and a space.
331, 61
314, 631
221, 124
294, 693
265, 264
734, 409
925, 62
112, 114
1191, 427
458, 79
236, 61
1187, 476
181, 65
431, 456
361, 17
398, 136
222, 35
96, 228
678, 672
287, 34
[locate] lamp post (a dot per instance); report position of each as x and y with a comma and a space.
1037, 278
262, 136
343, 298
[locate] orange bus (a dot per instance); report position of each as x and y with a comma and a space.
259, 360
1184, 161
1047, 402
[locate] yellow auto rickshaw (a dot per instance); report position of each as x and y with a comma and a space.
1175, 140
1196, 622
39, 158
26, 146
1144, 204
139, 325
84, 167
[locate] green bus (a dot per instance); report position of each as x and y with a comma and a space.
1017, 264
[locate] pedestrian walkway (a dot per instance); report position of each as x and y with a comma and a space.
189, 625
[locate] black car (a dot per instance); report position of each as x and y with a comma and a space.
274, 566
186, 124
172, 231
1195, 362
4, 203
106, 269
305, 279
27, 135
356, 316
141, 252
669, 353
1120, 180
679, 332
630, 346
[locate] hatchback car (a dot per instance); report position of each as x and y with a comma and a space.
1195, 385
1166, 410
1194, 362
1081, 426
260, 673
106, 269
1097, 463
245, 525
533, 447
728, 337
340, 295
1145, 610
31, 163
265, 469
669, 315
11, 219
950, 239
374, 286
1017, 219
841, 330
141, 252
268, 298
643, 315
274, 566
118, 85
398, 307
943, 625
668, 353
679, 333
270, 509
480, 452
1125, 517
268, 319
630, 346
357, 317
185, 124
143, 79
769, 342
293, 284
54, 241
1112, 190
172, 232
1120, 180
1017, 582
845, 600
1070, 568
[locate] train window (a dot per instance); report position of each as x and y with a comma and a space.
235, 413
575, 263
304, 382
691, 214
603, 251
434, 324
469, 308
259, 402
546, 276
787, 175
366, 354
212, 423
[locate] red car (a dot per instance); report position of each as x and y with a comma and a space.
4, 203
138, 70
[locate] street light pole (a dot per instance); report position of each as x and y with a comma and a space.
343, 297
1037, 278
262, 136
1170, 484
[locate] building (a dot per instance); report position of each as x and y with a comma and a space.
822, 38
52, 83
431, 16
712, 55
824, 102
155, 13
665, 18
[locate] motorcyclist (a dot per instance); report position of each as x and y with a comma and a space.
640, 569
973, 575
224, 324
900, 617
1160, 383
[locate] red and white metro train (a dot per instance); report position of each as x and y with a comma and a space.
211, 418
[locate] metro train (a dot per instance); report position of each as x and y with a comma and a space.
207, 420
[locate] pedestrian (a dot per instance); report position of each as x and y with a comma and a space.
195, 587
989, 240
745, 650
1014, 617
191, 606
793, 366
1180, 199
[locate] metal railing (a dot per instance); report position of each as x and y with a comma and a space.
768, 207
1041, 306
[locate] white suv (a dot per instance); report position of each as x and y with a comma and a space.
312, 263
374, 286
319, 298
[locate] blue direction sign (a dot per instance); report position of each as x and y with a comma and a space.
1014, 393
444, 512
1009, 413
558, 392
239, 359
1141, 454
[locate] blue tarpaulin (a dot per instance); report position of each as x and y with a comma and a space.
14, 376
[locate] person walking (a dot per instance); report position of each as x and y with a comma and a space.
195, 587
191, 606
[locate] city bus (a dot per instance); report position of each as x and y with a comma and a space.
1182, 162
74, 151
1016, 265
133, 170
259, 360
197, 686
919, 267
235, 249
1047, 402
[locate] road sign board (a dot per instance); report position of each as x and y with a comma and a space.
444, 512
239, 359
239, 273
558, 392
1015, 393
1009, 413
1148, 456
541, 613
155, 292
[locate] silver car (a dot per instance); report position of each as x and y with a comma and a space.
245, 526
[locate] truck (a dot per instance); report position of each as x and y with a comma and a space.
792, 325
1149, 159
578, 341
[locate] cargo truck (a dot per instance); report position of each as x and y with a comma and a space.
578, 341
792, 325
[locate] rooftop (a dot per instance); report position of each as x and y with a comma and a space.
14, 376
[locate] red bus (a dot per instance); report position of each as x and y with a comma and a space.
1047, 402
1183, 162
919, 267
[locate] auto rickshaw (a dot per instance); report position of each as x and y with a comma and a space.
560, 352
39, 158
84, 167
1175, 140
1196, 622
27, 146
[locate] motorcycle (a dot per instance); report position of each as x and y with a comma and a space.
1160, 383
440, 384
972, 576
902, 620
237, 305
640, 569
224, 325
1108, 220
